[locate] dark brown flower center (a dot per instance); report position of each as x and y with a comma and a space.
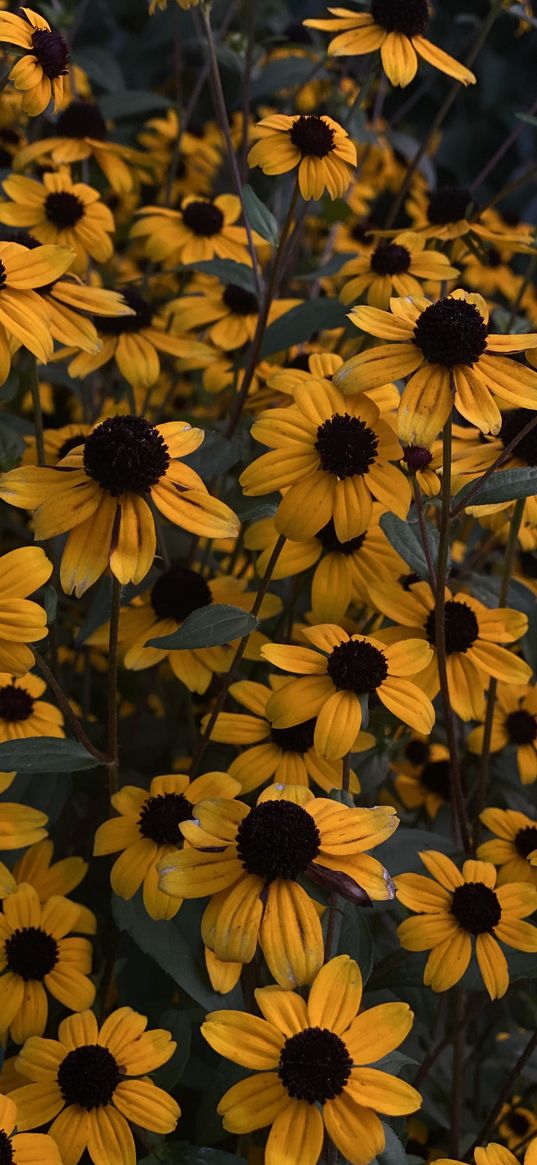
203, 218
346, 445
314, 1065
435, 777
161, 817
476, 908
63, 209
518, 1123
88, 1077
514, 421
526, 840
240, 301
297, 739
521, 726
410, 17
6, 1149
82, 119
451, 331
178, 592
15, 703
119, 325
461, 627
51, 52
126, 455
312, 136
73, 442
390, 259
330, 541
357, 666
450, 204
417, 752
417, 457
277, 839
31, 953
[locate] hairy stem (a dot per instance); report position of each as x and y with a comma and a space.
112, 717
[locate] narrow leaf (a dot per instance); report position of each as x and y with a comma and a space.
208, 627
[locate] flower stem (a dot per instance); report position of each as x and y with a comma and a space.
38, 412
458, 804
418, 499
229, 678
65, 707
484, 765
457, 1076
112, 718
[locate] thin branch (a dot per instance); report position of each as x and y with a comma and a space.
506, 1092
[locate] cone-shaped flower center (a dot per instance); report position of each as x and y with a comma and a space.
314, 1065
312, 136
329, 539
82, 119
296, 739
461, 627
476, 907
417, 457
119, 325
451, 331
240, 301
521, 726
203, 218
277, 839
450, 204
390, 259
88, 1076
161, 817
514, 421
126, 455
410, 17
6, 1150
178, 592
436, 778
15, 703
526, 840
357, 667
63, 209
51, 52
31, 953
346, 445
417, 752
518, 1123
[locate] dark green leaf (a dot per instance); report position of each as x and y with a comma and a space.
208, 627
279, 74
330, 268
193, 1155
101, 66
11, 445
215, 455
393, 1152
50, 602
355, 939
261, 219
251, 509
504, 486
45, 754
132, 102
226, 270
302, 322
405, 540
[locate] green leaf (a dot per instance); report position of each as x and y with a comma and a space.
404, 538
260, 218
208, 627
527, 117
101, 66
193, 1155
45, 754
302, 322
355, 939
393, 1152
132, 102
251, 509
215, 455
504, 486
11, 445
50, 602
280, 74
226, 270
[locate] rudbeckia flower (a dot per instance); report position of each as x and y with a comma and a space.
330, 458
283, 755
20, 825
495, 1154
453, 908
515, 1124
91, 1082
39, 957
451, 213
391, 269
514, 722
474, 634
310, 1063
98, 494
337, 674
317, 145
23, 1148
58, 210
397, 29
23, 317
515, 839
204, 228
22, 621
423, 776
252, 860
22, 712
230, 311
49, 877
147, 830
475, 456
451, 357
39, 74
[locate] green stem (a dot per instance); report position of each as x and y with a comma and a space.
38, 412
457, 1076
113, 655
68, 712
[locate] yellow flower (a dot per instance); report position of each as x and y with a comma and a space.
48, 878
397, 29
495, 1154
23, 315
91, 1082
22, 713
310, 1062
27, 1148
40, 72
204, 228
20, 825
249, 862
22, 621
230, 311
514, 722
392, 269
342, 671
147, 830
451, 357
455, 908
510, 849
98, 494
60, 211
318, 145
423, 775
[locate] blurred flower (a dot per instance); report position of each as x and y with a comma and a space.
40, 71
22, 621
514, 722
515, 840
22, 713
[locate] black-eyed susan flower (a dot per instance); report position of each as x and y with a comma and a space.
50, 877
475, 638
23, 316
22, 572
398, 30
23, 1148
252, 860
337, 674
515, 839
60, 211
516, 1123
203, 229
22, 712
514, 723
20, 825
316, 144
39, 956
283, 755
454, 908
451, 358
495, 1154
92, 1083
57, 443
422, 775
331, 458
392, 269
39, 74
99, 492
451, 213
228, 311
147, 830
312, 1063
